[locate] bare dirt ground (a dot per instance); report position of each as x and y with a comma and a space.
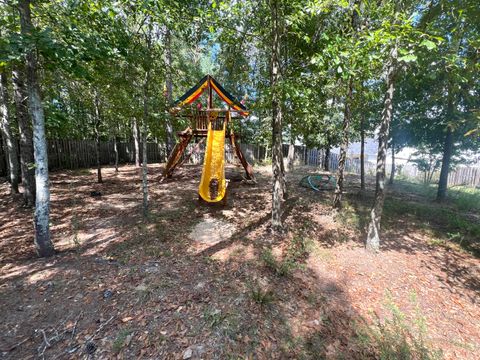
167, 288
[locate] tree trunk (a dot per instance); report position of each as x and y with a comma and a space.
169, 137
144, 169
115, 150
337, 199
291, 152
326, 159
10, 141
362, 153
144, 145
392, 171
447, 152
43, 242
136, 142
97, 137
277, 156
27, 160
291, 156
373, 236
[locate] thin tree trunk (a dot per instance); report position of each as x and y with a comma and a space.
27, 160
373, 236
392, 170
169, 137
337, 199
43, 242
291, 156
115, 150
447, 155
326, 159
144, 168
447, 152
277, 156
144, 133
136, 142
144, 145
97, 137
291, 152
10, 141
362, 153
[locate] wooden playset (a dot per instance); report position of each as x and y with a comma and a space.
210, 125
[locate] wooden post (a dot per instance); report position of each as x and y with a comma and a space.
248, 168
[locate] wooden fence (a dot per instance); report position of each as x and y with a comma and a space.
463, 175
75, 154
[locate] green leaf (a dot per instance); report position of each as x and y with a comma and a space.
430, 45
408, 58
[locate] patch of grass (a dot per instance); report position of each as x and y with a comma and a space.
462, 197
120, 339
261, 296
443, 223
157, 252
281, 268
81, 172
348, 216
213, 317
296, 251
315, 344
122, 253
398, 338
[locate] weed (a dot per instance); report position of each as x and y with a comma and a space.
156, 252
350, 217
269, 259
281, 268
260, 296
213, 317
75, 225
397, 338
120, 339
296, 250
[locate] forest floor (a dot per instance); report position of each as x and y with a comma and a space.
211, 282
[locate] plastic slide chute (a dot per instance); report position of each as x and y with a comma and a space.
213, 184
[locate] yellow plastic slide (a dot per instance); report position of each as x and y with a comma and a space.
213, 185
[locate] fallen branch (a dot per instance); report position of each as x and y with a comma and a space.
76, 347
74, 329
14, 346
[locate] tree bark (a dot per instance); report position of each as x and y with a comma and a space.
43, 242
97, 137
291, 152
277, 156
373, 236
144, 145
115, 150
337, 199
362, 153
27, 160
447, 152
10, 141
169, 136
291, 156
136, 141
392, 170
326, 159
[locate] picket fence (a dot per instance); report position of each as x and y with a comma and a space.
76, 154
